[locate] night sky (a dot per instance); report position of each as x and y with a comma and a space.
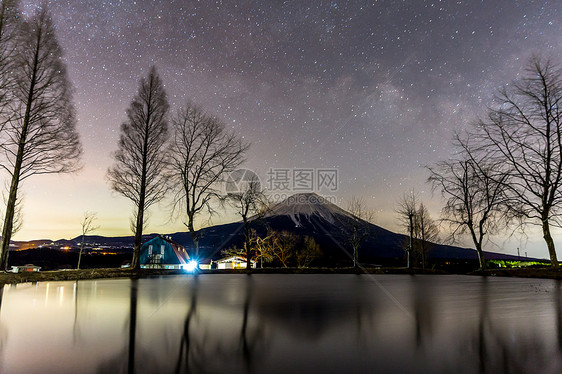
373, 89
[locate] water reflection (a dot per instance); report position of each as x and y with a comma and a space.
277, 324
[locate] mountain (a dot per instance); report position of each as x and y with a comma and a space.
309, 214
306, 214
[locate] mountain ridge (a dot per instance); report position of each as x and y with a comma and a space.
306, 214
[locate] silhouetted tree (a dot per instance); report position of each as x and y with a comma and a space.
406, 210
41, 136
250, 204
283, 246
426, 232
358, 225
203, 153
474, 190
307, 252
139, 171
10, 19
87, 225
261, 246
523, 134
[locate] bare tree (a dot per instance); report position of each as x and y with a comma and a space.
9, 23
309, 251
359, 226
88, 226
283, 246
407, 207
426, 232
523, 134
41, 136
475, 195
249, 201
139, 171
261, 246
203, 153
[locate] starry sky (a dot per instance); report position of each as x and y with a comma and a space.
374, 89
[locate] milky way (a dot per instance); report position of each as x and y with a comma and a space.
372, 89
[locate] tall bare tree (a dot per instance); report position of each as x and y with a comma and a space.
358, 225
474, 190
406, 210
422, 229
307, 252
426, 232
41, 136
9, 23
245, 194
139, 172
523, 132
262, 246
88, 226
203, 153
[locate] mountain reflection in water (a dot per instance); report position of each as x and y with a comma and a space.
283, 324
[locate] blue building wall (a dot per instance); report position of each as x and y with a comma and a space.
158, 246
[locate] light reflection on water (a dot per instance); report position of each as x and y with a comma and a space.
283, 324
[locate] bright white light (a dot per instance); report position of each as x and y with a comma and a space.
191, 265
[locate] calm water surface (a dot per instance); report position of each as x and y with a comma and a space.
283, 324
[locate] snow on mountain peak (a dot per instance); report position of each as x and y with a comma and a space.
307, 205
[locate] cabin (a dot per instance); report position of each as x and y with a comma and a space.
162, 252
234, 262
206, 264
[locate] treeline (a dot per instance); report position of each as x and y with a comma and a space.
181, 156
279, 248
507, 170
37, 118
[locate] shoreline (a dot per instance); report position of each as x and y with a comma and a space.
109, 273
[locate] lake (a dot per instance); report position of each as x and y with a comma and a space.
277, 323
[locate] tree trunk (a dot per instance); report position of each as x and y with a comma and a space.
195, 239
135, 264
9, 219
481, 259
80, 254
12, 198
550, 243
247, 244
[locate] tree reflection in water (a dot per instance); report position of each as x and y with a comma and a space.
423, 313
2, 331
261, 323
505, 349
124, 360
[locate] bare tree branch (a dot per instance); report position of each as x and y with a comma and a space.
249, 201
40, 137
88, 226
523, 135
358, 225
203, 153
474, 187
139, 172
